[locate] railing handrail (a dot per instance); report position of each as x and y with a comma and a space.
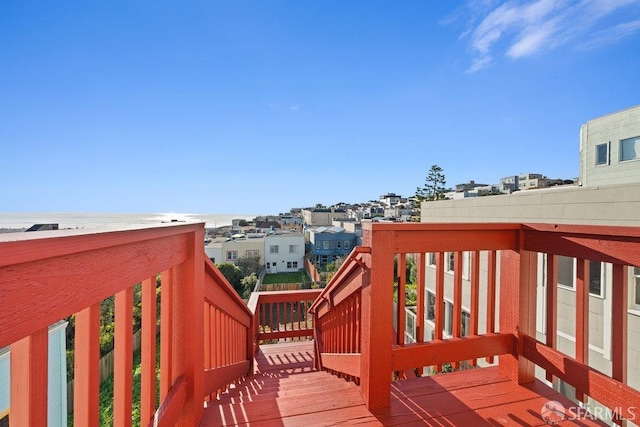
49, 249
220, 280
518, 244
353, 261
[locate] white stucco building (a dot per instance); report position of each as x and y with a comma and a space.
283, 252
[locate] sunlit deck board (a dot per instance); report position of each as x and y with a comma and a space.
285, 391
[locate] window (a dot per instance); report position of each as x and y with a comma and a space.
324, 259
635, 287
347, 244
448, 318
602, 154
431, 258
325, 244
274, 249
318, 245
466, 324
595, 278
565, 271
253, 253
232, 255
292, 265
630, 149
333, 244
338, 244
431, 306
450, 261
293, 249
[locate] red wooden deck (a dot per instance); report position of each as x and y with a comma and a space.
285, 390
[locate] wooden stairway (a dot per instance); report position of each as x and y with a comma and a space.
285, 391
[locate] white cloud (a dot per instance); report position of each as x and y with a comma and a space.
521, 28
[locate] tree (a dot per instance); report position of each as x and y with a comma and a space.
249, 264
233, 274
434, 184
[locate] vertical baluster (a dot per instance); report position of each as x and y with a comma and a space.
475, 296
29, 363
457, 299
582, 316
87, 367
421, 303
166, 332
552, 305
402, 266
491, 296
123, 363
439, 300
148, 359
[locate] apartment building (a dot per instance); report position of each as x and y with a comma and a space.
610, 149
607, 197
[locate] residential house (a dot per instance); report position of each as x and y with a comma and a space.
284, 252
330, 243
321, 216
243, 245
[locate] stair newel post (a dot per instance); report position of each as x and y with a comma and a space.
188, 327
518, 276
376, 319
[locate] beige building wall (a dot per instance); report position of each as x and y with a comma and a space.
609, 130
605, 205
242, 247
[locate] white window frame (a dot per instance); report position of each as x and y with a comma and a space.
293, 249
232, 255
274, 249
634, 279
252, 253
431, 259
607, 160
571, 287
347, 244
636, 141
325, 245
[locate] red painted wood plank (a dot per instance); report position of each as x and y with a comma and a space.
19, 248
582, 316
402, 299
123, 361
552, 305
166, 332
172, 406
376, 310
605, 390
453, 240
87, 367
148, 351
218, 378
612, 247
517, 308
28, 389
619, 323
216, 296
438, 352
66, 285
346, 363
457, 299
491, 296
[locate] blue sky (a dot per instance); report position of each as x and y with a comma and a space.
257, 107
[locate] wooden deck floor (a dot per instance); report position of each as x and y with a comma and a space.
286, 391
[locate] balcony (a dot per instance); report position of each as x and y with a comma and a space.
224, 362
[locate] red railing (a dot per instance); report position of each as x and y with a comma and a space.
48, 276
282, 315
469, 265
